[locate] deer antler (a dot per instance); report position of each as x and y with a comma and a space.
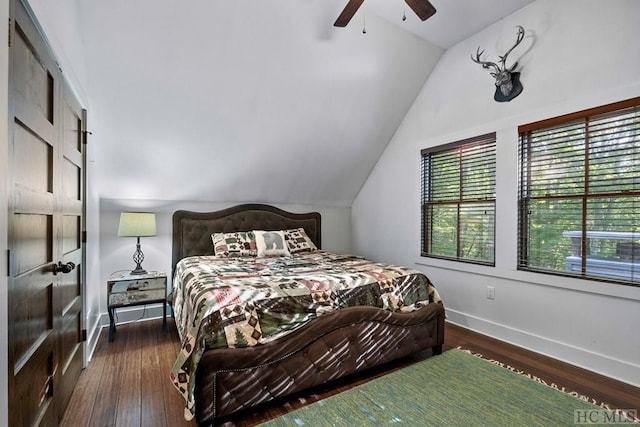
485, 64
503, 58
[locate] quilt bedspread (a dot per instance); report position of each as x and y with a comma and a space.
246, 301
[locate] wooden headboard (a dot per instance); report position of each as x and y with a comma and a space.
192, 230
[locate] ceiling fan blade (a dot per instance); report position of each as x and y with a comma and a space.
423, 8
347, 13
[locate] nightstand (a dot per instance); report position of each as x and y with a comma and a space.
125, 290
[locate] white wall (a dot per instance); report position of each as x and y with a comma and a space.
576, 54
116, 252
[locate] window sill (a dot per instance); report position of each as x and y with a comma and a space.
575, 284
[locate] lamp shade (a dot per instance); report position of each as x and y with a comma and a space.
137, 224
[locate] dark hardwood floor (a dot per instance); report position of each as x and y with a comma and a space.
127, 382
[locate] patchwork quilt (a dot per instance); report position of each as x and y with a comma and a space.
247, 301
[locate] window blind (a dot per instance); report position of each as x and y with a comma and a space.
458, 200
579, 194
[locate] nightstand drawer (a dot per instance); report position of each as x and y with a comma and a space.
136, 297
139, 284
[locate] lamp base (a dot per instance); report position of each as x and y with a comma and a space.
138, 270
138, 257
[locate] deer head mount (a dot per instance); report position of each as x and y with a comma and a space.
508, 84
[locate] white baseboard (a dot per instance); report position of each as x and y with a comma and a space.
123, 315
93, 333
596, 362
138, 313
126, 315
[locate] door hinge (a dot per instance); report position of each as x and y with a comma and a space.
85, 134
84, 236
84, 335
9, 40
8, 262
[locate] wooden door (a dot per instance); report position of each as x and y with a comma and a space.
68, 294
45, 173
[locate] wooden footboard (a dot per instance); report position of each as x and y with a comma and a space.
333, 346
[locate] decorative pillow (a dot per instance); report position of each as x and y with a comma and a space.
241, 243
271, 243
298, 241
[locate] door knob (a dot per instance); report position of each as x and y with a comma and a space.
63, 268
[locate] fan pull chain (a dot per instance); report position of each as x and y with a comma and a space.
404, 13
364, 22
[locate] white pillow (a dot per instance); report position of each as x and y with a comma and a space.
271, 243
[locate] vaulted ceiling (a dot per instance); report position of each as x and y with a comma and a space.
256, 100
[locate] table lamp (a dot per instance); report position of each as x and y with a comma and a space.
137, 224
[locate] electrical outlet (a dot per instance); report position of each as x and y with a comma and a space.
491, 292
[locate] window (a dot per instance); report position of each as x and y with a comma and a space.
579, 194
458, 200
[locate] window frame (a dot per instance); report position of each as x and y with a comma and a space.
525, 198
488, 139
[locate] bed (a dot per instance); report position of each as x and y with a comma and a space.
219, 376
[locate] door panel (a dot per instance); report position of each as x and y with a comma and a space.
36, 246
36, 390
70, 233
36, 157
71, 175
32, 80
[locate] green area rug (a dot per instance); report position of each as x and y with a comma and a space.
453, 389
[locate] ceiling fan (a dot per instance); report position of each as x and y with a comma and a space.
423, 8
